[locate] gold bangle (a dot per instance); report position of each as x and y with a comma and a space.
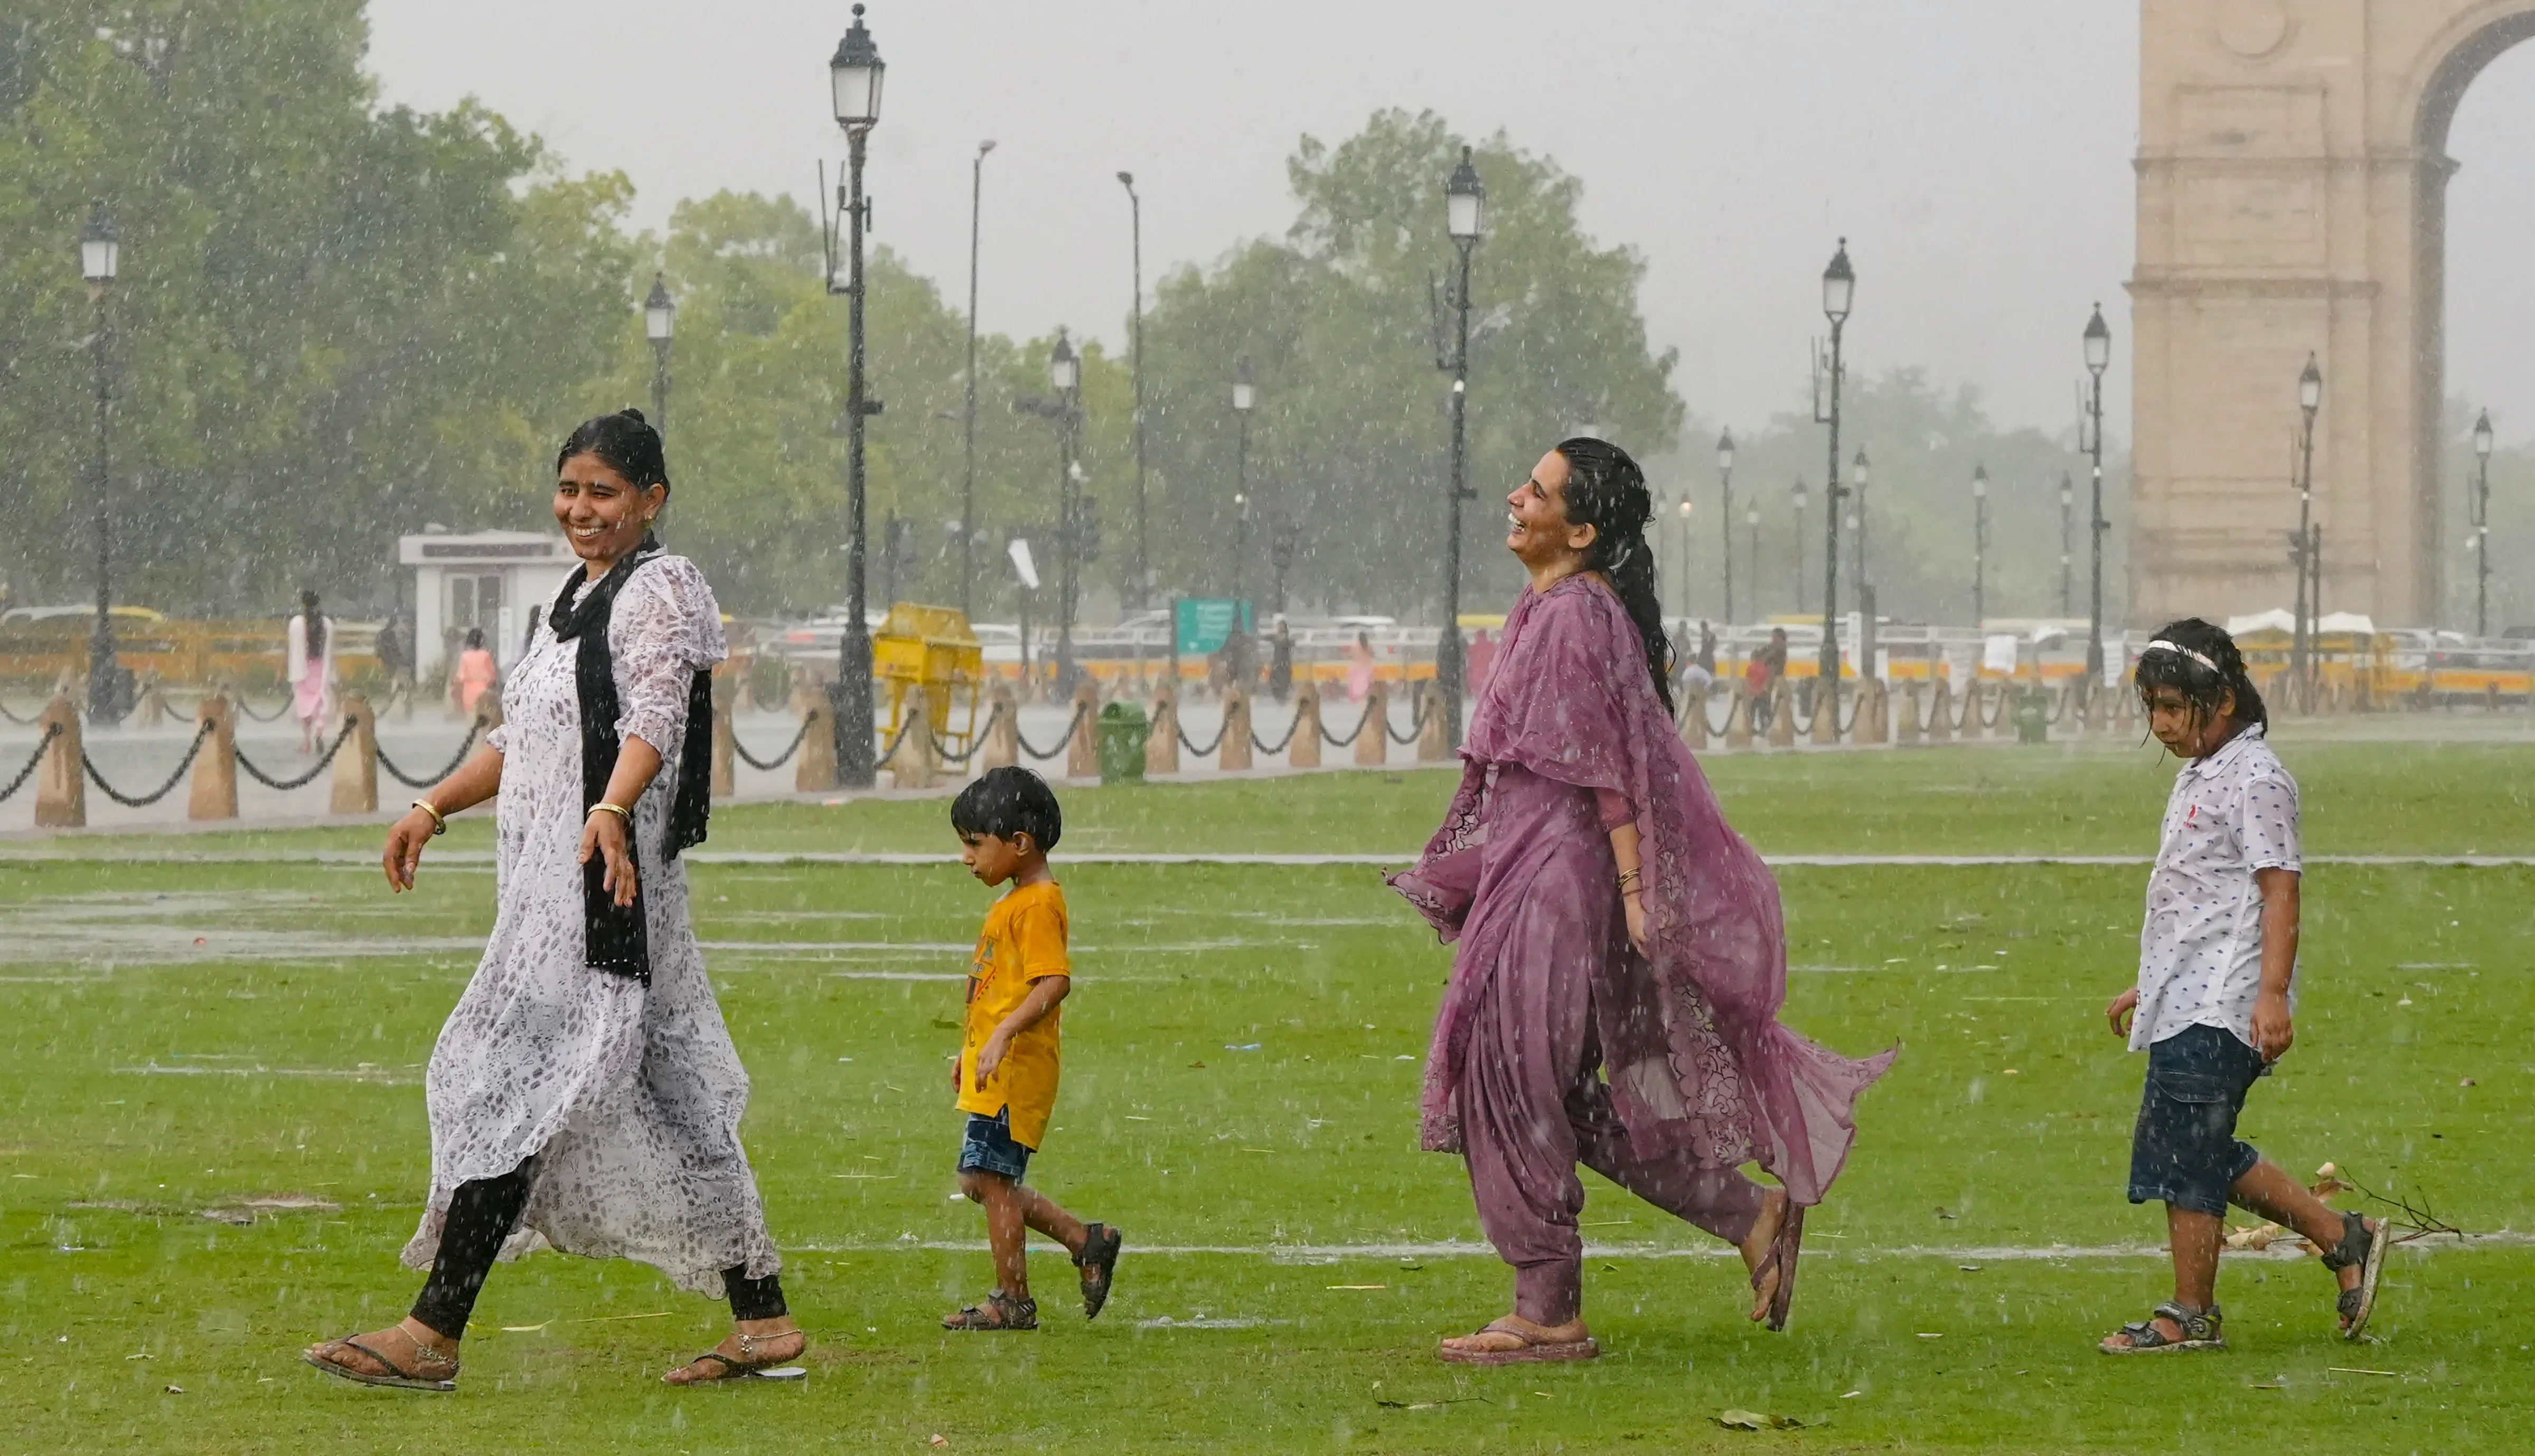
439, 820
618, 810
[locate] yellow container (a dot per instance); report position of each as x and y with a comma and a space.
933, 649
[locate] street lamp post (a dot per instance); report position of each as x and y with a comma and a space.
1685, 557
1724, 520
1465, 204
1864, 588
968, 426
854, 76
2302, 549
1245, 395
1795, 546
1141, 585
660, 325
1065, 372
2099, 357
2482, 526
1839, 288
2068, 522
1751, 521
109, 688
1980, 547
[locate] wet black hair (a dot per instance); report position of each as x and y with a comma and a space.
474, 637
1606, 491
1009, 800
2175, 659
625, 442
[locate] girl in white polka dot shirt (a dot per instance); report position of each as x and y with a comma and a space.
2215, 992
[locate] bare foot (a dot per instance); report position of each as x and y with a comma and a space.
752, 1344
1756, 1248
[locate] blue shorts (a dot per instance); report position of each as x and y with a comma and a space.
988, 1146
2184, 1151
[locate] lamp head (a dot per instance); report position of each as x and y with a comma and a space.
1465, 202
1980, 482
1858, 469
1725, 450
1685, 509
854, 76
100, 247
1840, 284
660, 311
2311, 386
2099, 343
1064, 366
2482, 436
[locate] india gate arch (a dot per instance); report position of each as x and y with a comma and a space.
2292, 181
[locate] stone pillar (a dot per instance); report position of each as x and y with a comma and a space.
1738, 722
2099, 709
1233, 754
913, 765
2126, 711
1083, 754
1433, 735
1782, 713
150, 707
814, 768
1907, 728
1163, 740
1875, 713
1002, 745
1694, 719
213, 794
357, 763
61, 788
725, 773
1373, 742
1941, 710
1826, 711
1304, 751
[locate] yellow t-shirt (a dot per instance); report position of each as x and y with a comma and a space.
1023, 942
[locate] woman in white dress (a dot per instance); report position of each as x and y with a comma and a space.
584, 1089
308, 665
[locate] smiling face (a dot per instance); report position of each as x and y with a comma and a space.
602, 513
1538, 530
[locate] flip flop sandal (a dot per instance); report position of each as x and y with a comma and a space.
2366, 1249
1098, 1262
394, 1375
1000, 1311
748, 1366
1783, 1256
1529, 1348
2200, 1333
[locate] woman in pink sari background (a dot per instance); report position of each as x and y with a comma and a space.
1621, 952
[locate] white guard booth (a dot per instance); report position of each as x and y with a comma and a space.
495, 580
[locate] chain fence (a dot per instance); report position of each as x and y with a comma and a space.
51, 732
464, 744
87, 766
286, 784
768, 765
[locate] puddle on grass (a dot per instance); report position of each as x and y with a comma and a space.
147, 928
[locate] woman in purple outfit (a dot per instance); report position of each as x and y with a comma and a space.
1622, 956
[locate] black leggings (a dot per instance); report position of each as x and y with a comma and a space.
482, 1213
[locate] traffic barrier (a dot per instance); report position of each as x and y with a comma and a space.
911, 763
1002, 745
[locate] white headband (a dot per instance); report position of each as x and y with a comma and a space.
2186, 652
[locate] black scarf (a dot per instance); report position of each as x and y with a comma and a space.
616, 940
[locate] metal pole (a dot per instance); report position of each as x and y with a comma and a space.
1979, 561
2482, 549
1724, 537
2068, 519
105, 702
1684, 567
1135, 203
1832, 494
1068, 510
2096, 528
1795, 548
969, 445
660, 387
2299, 642
1449, 659
853, 696
1241, 504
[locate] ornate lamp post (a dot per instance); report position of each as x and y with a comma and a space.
1465, 204
2302, 549
1140, 584
1685, 555
1839, 288
1795, 546
660, 325
1980, 547
968, 426
854, 76
109, 687
1724, 522
1065, 375
1865, 589
1245, 395
2099, 357
2068, 519
2482, 526
1751, 523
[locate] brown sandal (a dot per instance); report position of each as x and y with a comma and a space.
749, 1366
1530, 1344
389, 1374
1782, 1256
1000, 1311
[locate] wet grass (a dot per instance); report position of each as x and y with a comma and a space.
152, 1078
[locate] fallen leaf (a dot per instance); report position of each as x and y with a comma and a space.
2467, 1082
1755, 1420
938, 1442
1942, 1213
1853, 1395
1196, 1065
1359, 1286
612, 1318
1968, 1268
524, 1329
2349, 1370
175, 1391
1930, 1335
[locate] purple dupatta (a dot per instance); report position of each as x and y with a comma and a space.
1697, 1059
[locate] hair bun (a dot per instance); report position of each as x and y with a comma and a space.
636, 415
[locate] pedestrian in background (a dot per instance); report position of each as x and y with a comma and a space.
476, 676
309, 667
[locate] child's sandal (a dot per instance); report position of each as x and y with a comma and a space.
2363, 1247
1000, 1311
2200, 1333
1098, 1262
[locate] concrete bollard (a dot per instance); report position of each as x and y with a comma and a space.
1304, 751
61, 787
1001, 748
1692, 729
1827, 713
357, 763
1905, 717
1162, 740
1738, 720
2126, 711
1435, 734
912, 765
151, 706
1082, 754
814, 768
1232, 756
1373, 741
2098, 710
725, 770
1782, 713
213, 793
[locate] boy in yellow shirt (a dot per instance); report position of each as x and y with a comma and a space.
1005, 1078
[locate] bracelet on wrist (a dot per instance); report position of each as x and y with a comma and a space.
618, 810
439, 820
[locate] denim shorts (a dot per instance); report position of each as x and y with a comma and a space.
2184, 1150
988, 1146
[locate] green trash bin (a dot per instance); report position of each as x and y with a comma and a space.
2033, 716
1124, 728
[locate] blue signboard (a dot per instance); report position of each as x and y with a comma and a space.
1201, 623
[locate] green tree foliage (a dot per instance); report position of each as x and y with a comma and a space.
333, 323
1350, 443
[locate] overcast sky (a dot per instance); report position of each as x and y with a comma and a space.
1977, 154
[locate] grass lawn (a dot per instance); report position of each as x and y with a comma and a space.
183, 1035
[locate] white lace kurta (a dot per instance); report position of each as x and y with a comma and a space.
629, 1097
